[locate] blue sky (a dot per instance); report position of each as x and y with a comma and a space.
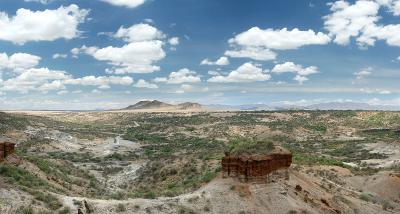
59, 54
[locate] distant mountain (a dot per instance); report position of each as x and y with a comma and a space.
155, 104
158, 105
250, 107
147, 104
319, 106
350, 106
189, 105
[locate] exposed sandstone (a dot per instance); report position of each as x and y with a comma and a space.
255, 166
6, 149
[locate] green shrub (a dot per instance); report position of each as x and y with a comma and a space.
121, 208
65, 210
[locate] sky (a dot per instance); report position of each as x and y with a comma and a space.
104, 54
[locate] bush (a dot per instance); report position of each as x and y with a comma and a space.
387, 206
364, 197
246, 146
65, 210
121, 208
51, 201
150, 195
27, 210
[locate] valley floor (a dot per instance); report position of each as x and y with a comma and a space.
120, 162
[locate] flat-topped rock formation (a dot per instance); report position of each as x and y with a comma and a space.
6, 149
255, 166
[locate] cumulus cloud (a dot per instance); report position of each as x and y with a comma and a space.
256, 53
18, 62
125, 3
102, 82
299, 70
221, 61
143, 50
258, 44
184, 89
363, 73
30, 78
248, 72
300, 79
213, 73
294, 68
174, 41
58, 55
359, 21
282, 39
144, 84
139, 32
184, 75
47, 25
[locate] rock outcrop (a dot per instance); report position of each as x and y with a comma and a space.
255, 166
6, 149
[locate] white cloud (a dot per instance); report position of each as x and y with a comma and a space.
213, 73
138, 56
375, 91
282, 39
102, 82
144, 84
126, 3
396, 8
39, 1
174, 41
44, 80
247, 72
363, 73
186, 88
390, 102
300, 79
150, 21
138, 33
62, 92
359, 20
52, 86
18, 62
135, 57
257, 43
299, 70
58, 55
47, 25
295, 68
32, 79
184, 75
221, 61
256, 53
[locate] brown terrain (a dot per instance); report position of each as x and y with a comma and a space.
210, 162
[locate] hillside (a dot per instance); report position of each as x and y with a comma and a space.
153, 104
158, 105
145, 162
